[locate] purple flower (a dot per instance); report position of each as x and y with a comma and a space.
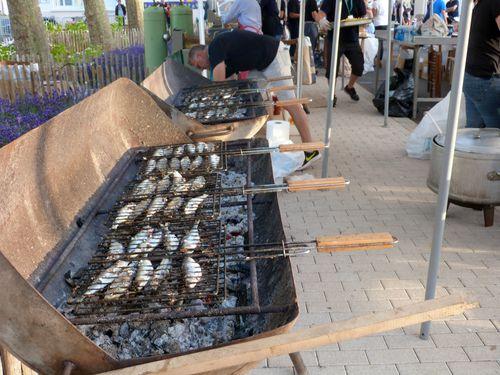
31, 111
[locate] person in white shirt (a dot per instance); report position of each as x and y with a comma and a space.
379, 10
247, 13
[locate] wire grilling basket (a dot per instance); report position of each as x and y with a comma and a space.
165, 255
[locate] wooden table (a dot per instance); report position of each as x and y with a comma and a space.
416, 45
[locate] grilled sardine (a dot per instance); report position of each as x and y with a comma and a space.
192, 272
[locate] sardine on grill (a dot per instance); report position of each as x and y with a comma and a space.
165, 151
152, 242
179, 151
163, 185
185, 163
145, 271
191, 149
192, 240
123, 215
146, 187
140, 208
122, 282
162, 165
115, 249
175, 164
200, 147
177, 178
214, 160
198, 183
106, 277
194, 203
150, 166
161, 272
173, 205
192, 272
196, 163
210, 147
170, 240
156, 206
139, 238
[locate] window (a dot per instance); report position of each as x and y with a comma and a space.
66, 2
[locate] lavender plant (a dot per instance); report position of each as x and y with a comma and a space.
29, 112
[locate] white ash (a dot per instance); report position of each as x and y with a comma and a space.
142, 339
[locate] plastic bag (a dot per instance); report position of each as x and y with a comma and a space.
434, 26
369, 52
400, 94
284, 163
434, 122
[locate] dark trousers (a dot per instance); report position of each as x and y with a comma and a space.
482, 101
311, 30
380, 42
351, 50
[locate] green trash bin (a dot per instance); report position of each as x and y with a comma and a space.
181, 18
155, 49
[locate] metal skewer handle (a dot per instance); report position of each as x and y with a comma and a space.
352, 242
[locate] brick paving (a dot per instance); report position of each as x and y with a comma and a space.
388, 193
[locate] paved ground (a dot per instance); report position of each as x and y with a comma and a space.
388, 193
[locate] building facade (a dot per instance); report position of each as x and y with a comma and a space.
63, 10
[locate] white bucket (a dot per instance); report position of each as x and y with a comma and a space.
277, 130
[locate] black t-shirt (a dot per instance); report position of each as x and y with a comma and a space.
242, 50
293, 23
270, 18
450, 4
483, 55
356, 8
311, 6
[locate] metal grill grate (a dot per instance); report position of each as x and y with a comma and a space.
221, 103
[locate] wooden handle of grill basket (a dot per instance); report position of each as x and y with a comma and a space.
317, 184
353, 242
277, 79
281, 88
286, 103
308, 146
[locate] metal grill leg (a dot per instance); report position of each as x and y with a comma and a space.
299, 364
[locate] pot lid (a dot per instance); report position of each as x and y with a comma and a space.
480, 141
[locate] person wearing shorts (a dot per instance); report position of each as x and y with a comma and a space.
348, 39
265, 58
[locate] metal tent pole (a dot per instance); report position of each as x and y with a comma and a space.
331, 89
201, 28
300, 60
388, 66
449, 152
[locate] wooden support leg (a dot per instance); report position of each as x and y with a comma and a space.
298, 363
489, 215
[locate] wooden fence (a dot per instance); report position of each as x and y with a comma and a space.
80, 40
18, 78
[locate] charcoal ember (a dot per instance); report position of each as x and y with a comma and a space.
124, 330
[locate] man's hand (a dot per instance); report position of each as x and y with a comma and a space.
324, 24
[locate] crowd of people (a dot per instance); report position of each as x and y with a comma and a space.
257, 47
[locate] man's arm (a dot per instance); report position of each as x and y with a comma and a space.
219, 72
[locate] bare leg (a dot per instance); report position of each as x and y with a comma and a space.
300, 119
352, 80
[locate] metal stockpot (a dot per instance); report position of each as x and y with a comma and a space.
476, 167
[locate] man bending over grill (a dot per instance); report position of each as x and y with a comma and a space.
265, 57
